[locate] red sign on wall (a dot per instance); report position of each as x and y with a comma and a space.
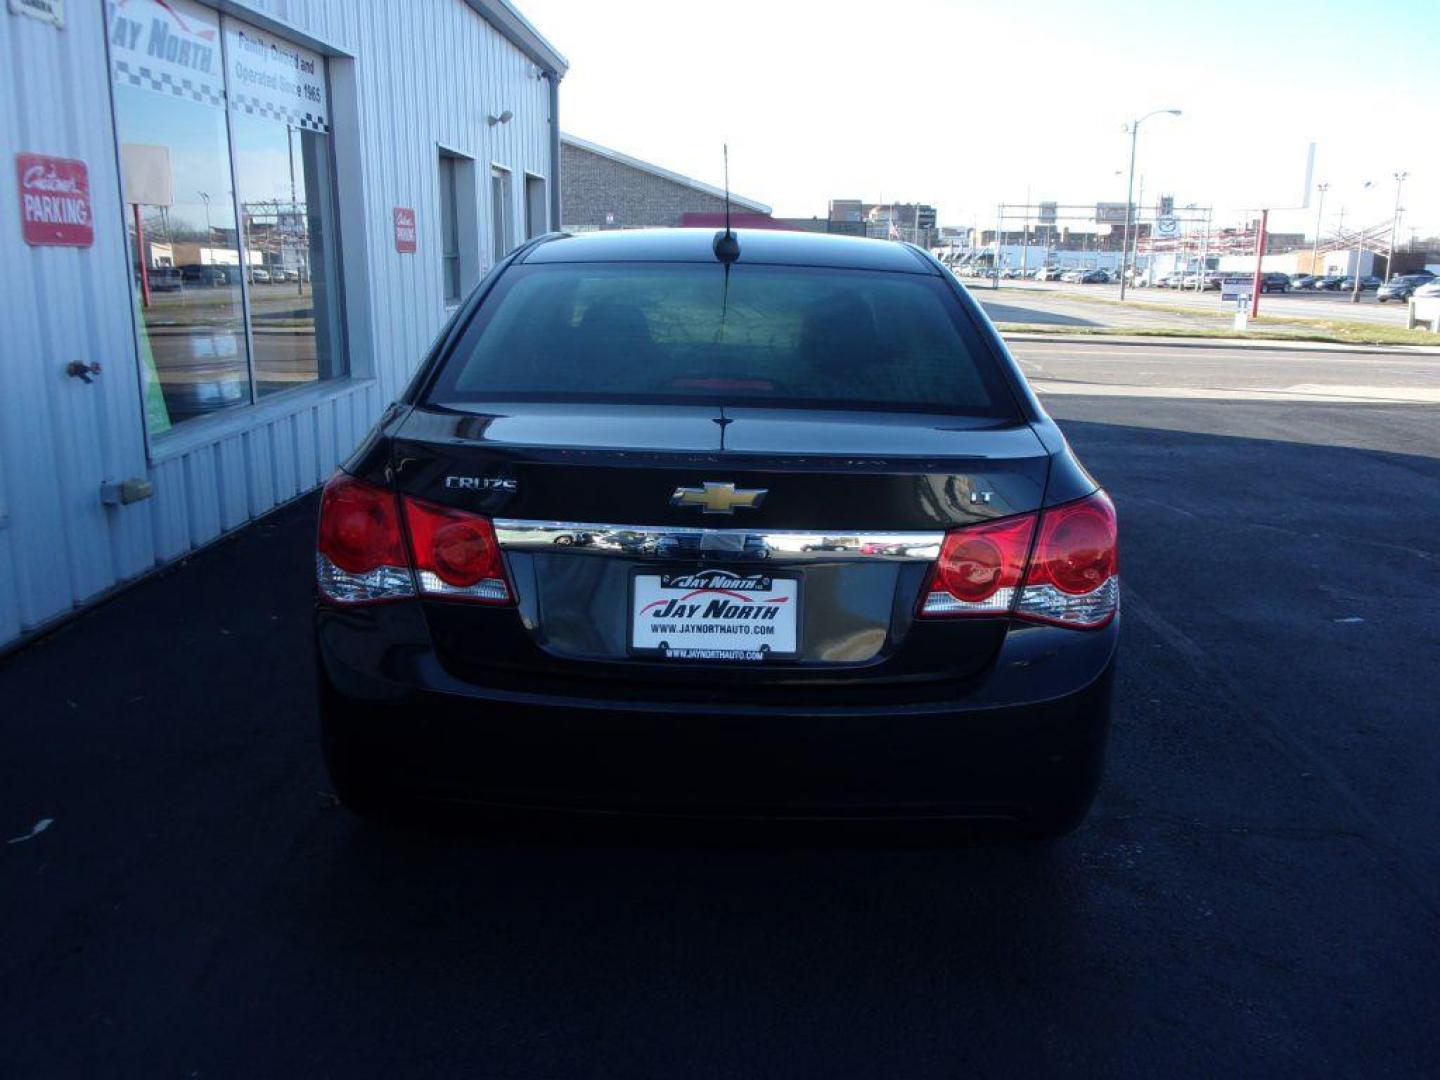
54, 201
404, 230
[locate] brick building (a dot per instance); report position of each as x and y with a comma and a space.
604, 189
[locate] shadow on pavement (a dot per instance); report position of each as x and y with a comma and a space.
1012, 313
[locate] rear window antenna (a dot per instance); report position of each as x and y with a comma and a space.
727, 244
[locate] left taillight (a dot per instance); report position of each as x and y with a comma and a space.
374, 547
360, 553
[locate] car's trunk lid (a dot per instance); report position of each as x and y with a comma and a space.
853, 510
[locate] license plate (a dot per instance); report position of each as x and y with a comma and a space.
715, 615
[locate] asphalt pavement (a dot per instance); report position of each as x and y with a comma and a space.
1255, 894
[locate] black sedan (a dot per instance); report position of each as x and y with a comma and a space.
842, 564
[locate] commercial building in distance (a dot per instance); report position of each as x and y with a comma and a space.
605, 189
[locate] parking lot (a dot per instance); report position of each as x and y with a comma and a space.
1063, 297
1256, 892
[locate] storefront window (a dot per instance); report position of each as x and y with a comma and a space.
227, 185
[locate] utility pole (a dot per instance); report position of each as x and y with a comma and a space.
1260, 238
1130, 195
1319, 217
1394, 225
999, 226
1025, 238
1359, 249
1129, 203
1202, 269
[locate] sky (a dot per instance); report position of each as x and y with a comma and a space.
965, 105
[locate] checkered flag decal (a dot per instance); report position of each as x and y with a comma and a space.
271, 111
165, 83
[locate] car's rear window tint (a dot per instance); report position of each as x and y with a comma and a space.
673, 332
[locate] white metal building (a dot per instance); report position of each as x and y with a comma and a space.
230, 232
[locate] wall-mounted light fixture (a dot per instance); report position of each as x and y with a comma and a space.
504, 118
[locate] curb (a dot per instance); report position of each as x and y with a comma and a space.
1180, 342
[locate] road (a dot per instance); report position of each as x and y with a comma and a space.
1255, 894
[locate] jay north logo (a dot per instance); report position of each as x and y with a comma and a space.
716, 579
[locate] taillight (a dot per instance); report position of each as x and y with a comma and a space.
979, 568
456, 554
360, 556
1072, 577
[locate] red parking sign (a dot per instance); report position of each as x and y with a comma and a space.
404, 230
54, 201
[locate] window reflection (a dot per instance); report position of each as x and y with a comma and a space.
284, 180
184, 255
227, 175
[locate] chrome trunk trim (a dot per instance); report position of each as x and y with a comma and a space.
688, 541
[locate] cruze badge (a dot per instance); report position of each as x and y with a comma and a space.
715, 498
482, 483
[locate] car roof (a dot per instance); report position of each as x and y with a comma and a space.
768, 246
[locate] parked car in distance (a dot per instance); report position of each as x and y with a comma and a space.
1274, 283
1173, 280
204, 275
1402, 287
1427, 291
259, 275
1049, 273
1303, 281
955, 661
162, 278
1369, 281
1329, 283
1095, 277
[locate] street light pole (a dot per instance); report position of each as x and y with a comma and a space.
1319, 217
1130, 195
1359, 250
1394, 224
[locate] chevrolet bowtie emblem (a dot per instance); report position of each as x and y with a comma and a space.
716, 498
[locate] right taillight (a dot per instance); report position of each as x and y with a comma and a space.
360, 554
456, 553
1074, 574
1070, 577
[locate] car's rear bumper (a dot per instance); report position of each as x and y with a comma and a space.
1025, 740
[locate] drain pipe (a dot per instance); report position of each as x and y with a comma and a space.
554, 81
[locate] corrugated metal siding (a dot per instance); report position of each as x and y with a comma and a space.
426, 73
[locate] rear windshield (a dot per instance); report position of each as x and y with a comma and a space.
678, 332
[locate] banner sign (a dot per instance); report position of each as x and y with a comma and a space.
1236, 288
167, 46
404, 230
274, 78
54, 201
